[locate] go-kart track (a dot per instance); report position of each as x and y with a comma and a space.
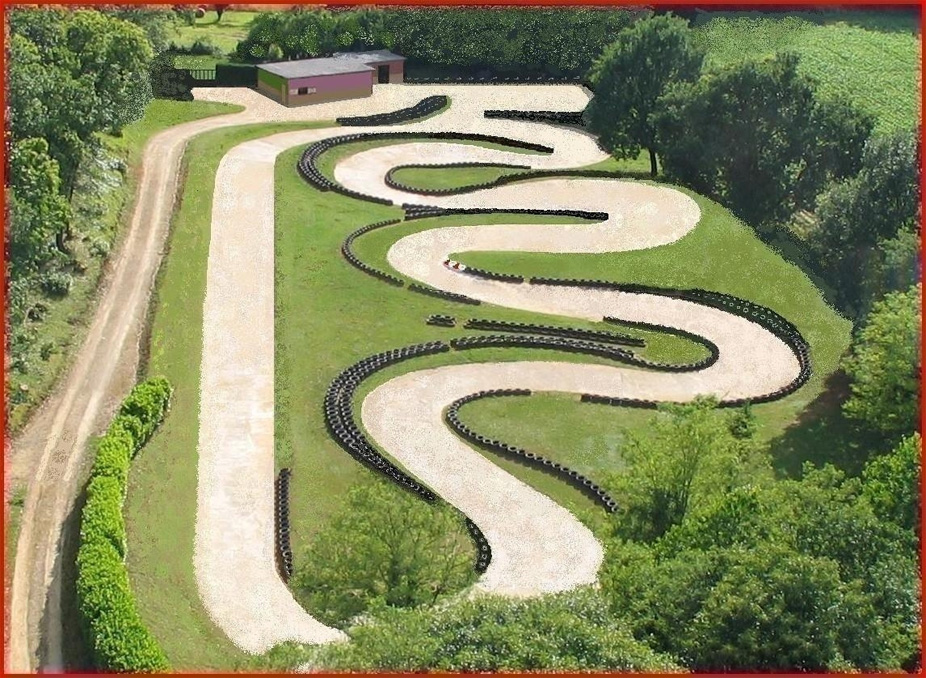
536, 545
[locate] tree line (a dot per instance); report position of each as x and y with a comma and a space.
558, 42
72, 76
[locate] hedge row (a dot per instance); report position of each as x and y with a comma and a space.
118, 638
423, 108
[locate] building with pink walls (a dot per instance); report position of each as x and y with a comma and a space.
346, 75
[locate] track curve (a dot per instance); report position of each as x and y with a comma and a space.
537, 546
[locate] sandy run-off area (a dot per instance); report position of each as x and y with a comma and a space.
537, 546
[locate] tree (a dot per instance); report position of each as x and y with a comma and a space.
872, 207
755, 137
690, 454
388, 545
892, 484
893, 266
773, 610
565, 632
37, 209
630, 77
885, 367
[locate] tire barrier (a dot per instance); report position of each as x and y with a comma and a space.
512, 178
339, 413
568, 332
339, 420
490, 275
422, 109
483, 550
441, 320
441, 294
308, 162
393, 183
541, 342
354, 260
425, 211
556, 117
755, 313
496, 80
284, 554
574, 478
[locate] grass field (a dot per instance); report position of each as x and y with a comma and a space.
101, 213
871, 58
224, 35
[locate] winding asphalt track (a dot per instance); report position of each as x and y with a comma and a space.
537, 546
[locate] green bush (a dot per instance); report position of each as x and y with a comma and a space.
102, 517
118, 638
572, 631
113, 452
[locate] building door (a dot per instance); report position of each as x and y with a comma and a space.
382, 73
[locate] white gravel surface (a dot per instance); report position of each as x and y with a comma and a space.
537, 545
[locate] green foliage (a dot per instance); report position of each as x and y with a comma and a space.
690, 454
56, 283
755, 137
102, 516
629, 78
144, 408
560, 41
885, 366
773, 609
892, 484
856, 216
386, 545
119, 640
869, 57
793, 575
73, 74
37, 209
566, 632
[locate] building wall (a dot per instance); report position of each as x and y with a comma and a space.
271, 85
330, 88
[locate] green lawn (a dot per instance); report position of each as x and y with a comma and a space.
223, 35
102, 207
871, 58
160, 508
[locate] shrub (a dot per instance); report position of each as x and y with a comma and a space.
102, 516
57, 284
118, 638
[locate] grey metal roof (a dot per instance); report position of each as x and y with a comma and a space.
304, 68
370, 57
